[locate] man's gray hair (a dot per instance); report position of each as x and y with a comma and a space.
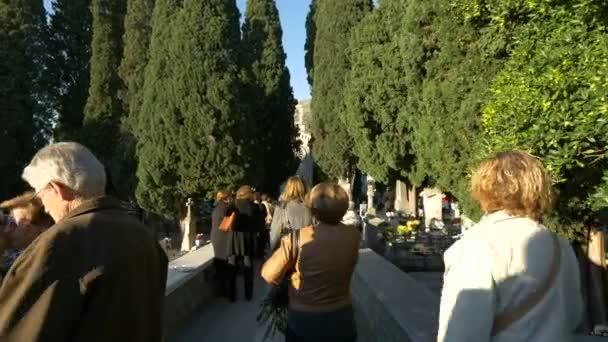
70, 164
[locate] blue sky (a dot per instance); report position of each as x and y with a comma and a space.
293, 18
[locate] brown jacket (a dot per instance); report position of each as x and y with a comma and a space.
97, 275
323, 271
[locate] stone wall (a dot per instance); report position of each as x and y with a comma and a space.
189, 287
390, 305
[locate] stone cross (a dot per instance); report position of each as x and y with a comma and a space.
188, 227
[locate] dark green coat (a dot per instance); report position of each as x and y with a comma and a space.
97, 275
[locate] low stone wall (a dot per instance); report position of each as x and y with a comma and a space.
189, 286
390, 305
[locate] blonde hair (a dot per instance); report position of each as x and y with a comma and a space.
328, 202
34, 210
244, 192
295, 190
221, 196
515, 182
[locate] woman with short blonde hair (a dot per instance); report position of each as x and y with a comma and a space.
509, 278
248, 223
515, 182
320, 267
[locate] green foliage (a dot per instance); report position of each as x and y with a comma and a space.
22, 37
332, 145
271, 100
190, 143
136, 38
70, 54
550, 99
381, 89
466, 59
103, 129
309, 45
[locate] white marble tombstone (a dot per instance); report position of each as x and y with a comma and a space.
432, 205
371, 192
405, 199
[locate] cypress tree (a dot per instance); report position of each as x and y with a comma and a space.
104, 112
70, 54
376, 109
309, 45
272, 101
332, 146
22, 30
190, 143
138, 29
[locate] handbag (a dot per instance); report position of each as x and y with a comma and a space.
274, 308
504, 320
227, 224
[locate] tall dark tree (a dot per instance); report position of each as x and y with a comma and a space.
309, 45
70, 55
332, 145
190, 143
138, 30
136, 41
103, 129
22, 34
272, 102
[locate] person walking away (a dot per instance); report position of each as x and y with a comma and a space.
219, 241
249, 221
320, 303
269, 211
292, 213
509, 278
260, 242
97, 275
27, 220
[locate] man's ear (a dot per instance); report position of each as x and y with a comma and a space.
62, 191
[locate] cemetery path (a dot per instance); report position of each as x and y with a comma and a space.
222, 321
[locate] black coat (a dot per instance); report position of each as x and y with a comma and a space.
249, 221
219, 239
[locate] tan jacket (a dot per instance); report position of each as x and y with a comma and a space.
323, 271
97, 275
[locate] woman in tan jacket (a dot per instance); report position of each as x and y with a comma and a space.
320, 307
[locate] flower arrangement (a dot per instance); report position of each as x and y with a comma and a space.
407, 228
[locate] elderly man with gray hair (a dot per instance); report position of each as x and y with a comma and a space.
96, 275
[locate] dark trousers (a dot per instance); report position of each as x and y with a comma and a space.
337, 326
247, 268
222, 277
263, 242
290, 336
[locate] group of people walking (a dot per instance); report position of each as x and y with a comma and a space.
320, 307
88, 271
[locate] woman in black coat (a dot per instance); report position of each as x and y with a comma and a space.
249, 221
219, 241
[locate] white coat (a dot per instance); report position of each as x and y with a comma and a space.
495, 266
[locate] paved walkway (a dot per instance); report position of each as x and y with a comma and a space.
222, 321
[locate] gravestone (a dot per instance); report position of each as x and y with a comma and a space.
406, 199
432, 204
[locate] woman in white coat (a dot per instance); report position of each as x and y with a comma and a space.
509, 278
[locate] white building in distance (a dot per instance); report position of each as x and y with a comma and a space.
302, 122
